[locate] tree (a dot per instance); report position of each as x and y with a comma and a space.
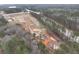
42, 47
2, 21
16, 45
68, 47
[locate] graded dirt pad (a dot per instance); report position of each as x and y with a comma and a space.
25, 19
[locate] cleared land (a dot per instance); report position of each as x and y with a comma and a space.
30, 24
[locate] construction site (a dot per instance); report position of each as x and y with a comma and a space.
30, 24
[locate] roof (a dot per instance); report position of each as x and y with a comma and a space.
48, 41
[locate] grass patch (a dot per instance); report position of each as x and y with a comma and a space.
2, 34
76, 33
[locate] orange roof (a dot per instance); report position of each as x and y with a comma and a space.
47, 41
